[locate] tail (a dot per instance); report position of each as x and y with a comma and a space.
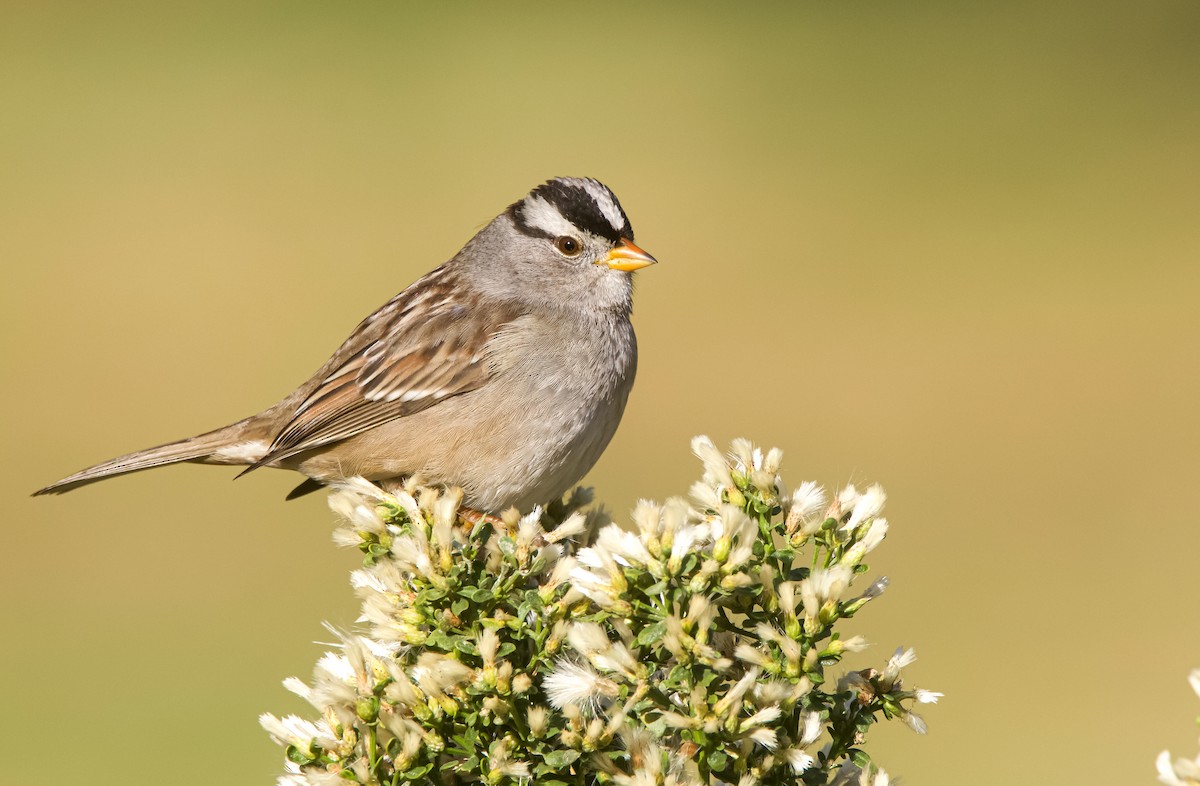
233, 444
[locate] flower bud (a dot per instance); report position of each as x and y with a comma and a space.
367, 709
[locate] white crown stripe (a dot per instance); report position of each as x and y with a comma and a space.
606, 202
540, 214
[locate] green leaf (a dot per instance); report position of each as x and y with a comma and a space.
717, 760
689, 563
643, 706
657, 588
298, 756
468, 738
476, 594
561, 759
651, 634
797, 574
440, 640
416, 772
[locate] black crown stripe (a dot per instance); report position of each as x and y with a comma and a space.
576, 205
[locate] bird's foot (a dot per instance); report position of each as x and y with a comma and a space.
476, 517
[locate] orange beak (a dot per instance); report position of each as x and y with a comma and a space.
626, 256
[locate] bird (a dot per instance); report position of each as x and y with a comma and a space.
505, 371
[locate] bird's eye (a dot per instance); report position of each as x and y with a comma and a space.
567, 246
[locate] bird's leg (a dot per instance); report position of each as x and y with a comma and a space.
477, 517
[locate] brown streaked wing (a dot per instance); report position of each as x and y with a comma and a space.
433, 348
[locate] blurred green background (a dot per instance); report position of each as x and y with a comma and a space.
948, 247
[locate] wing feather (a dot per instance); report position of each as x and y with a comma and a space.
426, 345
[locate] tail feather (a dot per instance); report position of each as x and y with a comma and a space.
217, 447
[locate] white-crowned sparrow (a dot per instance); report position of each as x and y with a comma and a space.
504, 371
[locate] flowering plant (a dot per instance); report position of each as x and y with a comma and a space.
559, 648
1181, 772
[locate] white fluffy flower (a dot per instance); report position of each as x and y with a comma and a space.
866, 506
1180, 772
824, 585
900, 659
576, 684
626, 547
811, 728
798, 760
716, 470
806, 509
294, 730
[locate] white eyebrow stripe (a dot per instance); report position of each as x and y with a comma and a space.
606, 202
540, 214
